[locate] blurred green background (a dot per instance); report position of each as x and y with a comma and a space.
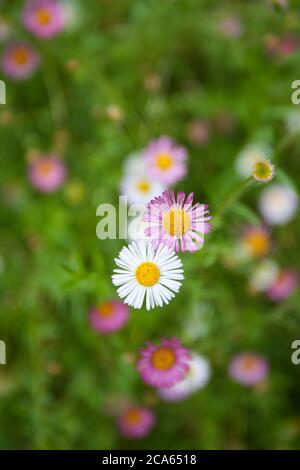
163, 64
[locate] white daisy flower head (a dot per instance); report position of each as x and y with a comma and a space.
147, 273
249, 156
136, 184
278, 204
196, 378
263, 275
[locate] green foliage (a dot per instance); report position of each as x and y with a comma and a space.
61, 377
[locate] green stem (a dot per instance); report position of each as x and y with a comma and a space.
232, 196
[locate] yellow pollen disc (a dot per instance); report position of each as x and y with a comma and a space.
106, 309
163, 358
143, 186
147, 274
20, 56
45, 167
176, 222
263, 171
133, 416
249, 363
43, 16
164, 161
258, 243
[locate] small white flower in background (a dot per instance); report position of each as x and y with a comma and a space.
136, 184
250, 155
72, 14
196, 378
292, 122
144, 272
263, 275
278, 204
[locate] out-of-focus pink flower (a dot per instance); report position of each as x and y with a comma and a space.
20, 61
248, 369
280, 48
47, 173
164, 365
109, 316
44, 18
198, 132
283, 286
231, 27
136, 422
165, 161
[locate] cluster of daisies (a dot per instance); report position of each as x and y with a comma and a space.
44, 19
171, 369
149, 270
277, 204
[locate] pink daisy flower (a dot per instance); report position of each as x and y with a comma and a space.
20, 61
109, 316
283, 286
47, 173
43, 18
136, 422
164, 365
176, 222
248, 369
165, 161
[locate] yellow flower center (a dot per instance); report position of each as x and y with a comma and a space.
45, 167
249, 363
106, 309
263, 171
20, 56
163, 358
258, 243
147, 274
43, 16
133, 416
143, 186
164, 161
176, 222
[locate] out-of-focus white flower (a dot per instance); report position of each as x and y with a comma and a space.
136, 184
250, 155
263, 275
292, 122
71, 13
278, 204
197, 377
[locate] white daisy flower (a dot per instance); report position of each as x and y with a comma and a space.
136, 184
263, 275
249, 156
197, 377
278, 204
146, 272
